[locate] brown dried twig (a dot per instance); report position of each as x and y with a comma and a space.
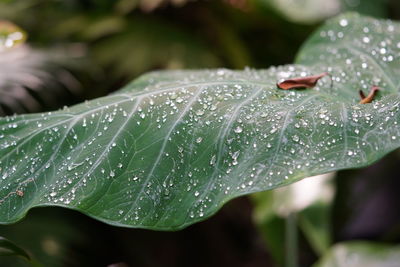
370, 97
301, 82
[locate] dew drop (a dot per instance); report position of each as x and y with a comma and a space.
213, 160
343, 22
200, 112
238, 129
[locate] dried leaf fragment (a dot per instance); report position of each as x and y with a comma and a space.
371, 95
301, 82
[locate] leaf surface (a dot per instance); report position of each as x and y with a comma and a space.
171, 148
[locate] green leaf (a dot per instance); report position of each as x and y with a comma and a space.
51, 237
316, 225
8, 248
358, 51
358, 253
305, 11
172, 147
145, 44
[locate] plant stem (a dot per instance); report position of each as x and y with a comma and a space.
291, 241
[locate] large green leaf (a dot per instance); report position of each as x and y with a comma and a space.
172, 147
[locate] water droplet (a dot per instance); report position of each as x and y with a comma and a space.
343, 22
200, 112
213, 160
238, 129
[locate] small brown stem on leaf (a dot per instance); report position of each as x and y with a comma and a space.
362, 95
371, 95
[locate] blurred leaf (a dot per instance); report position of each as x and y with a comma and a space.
104, 26
310, 198
314, 11
32, 80
271, 226
231, 46
8, 248
301, 195
366, 7
150, 44
53, 238
358, 253
304, 11
14, 8
149, 5
315, 222
293, 198
126, 6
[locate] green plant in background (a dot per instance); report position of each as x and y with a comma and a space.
33, 80
312, 11
306, 203
172, 147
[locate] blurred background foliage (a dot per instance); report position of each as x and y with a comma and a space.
60, 52
88, 48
